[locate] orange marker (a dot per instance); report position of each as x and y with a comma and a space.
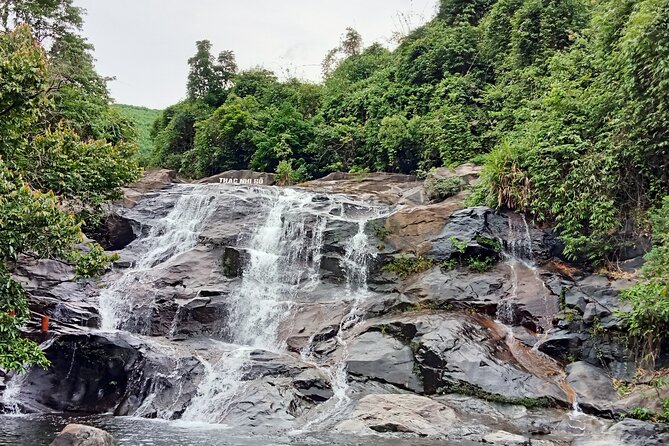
45, 324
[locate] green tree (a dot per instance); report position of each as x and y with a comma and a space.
209, 78
34, 220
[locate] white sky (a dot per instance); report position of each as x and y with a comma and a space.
145, 44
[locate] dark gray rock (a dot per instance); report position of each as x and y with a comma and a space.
376, 356
469, 227
455, 353
80, 435
594, 389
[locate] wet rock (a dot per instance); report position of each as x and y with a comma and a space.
312, 324
233, 262
80, 435
506, 438
115, 232
456, 288
312, 385
594, 389
471, 228
561, 344
88, 374
411, 229
376, 356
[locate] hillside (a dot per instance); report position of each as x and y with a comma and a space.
143, 118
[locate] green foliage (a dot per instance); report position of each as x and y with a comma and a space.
564, 101
443, 188
480, 264
460, 246
405, 266
284, 173
648, 319
209, 78
47, 169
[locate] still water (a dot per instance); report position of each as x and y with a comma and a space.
40, 430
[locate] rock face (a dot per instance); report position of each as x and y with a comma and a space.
152, 181
80, 435
411, 414
270, 309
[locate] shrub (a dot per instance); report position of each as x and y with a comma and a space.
443, 188
405, 266
648, 320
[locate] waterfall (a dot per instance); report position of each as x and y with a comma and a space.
219, 387
169, 237
356, 266
284, 253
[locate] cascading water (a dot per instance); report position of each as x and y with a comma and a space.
518, 251
525, 279
284, 254
169, 237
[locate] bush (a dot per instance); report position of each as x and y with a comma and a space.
443, 188
405, 266
648, 320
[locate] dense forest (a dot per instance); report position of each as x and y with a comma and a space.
564, 102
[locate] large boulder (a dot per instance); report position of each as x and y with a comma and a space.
407, 414
418, 416
457, 353
376, 356
626, 433
81, 435
594, 389
151, 181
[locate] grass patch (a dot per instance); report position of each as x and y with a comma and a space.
471, 390
405, 266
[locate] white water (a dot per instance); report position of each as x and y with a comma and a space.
169, 237
218, 389
284, 263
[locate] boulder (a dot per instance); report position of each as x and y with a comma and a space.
151, 181
466, 228
594, 389
626, 433
381, 187
407, 414
81, 435
410, 416
376, 356
457, 353
411, 229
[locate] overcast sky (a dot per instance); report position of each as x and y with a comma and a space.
145, 44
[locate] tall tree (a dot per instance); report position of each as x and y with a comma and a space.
209, 78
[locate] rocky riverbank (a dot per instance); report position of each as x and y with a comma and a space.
365, 308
